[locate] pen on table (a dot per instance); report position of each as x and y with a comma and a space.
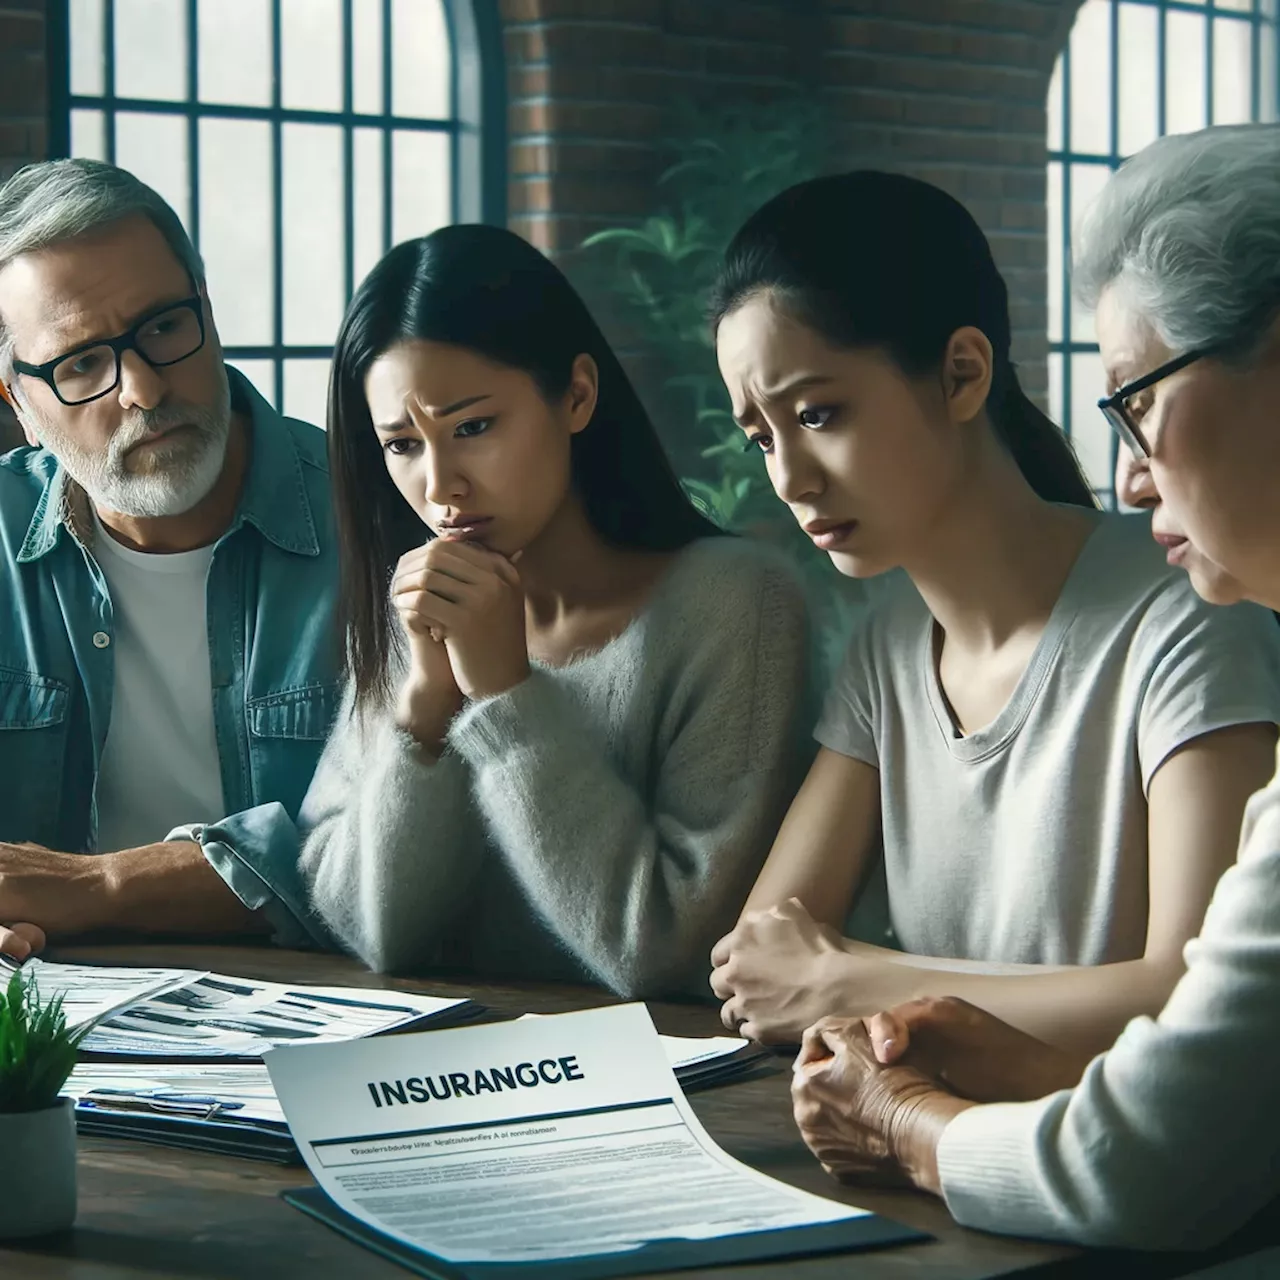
154, 1100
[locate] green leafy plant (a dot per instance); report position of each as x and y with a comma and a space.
658, 274
724, 165
37, 1051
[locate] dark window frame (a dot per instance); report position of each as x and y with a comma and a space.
476, 124
1064, 346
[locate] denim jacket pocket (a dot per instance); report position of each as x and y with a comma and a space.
33, 716
287, 733
305, 713
29, 701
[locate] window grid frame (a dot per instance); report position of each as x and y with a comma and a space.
482, 204
1065, 157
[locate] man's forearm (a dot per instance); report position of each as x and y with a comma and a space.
168, 888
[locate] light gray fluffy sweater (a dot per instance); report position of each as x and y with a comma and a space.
602, 821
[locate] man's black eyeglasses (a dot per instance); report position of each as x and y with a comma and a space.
167, 336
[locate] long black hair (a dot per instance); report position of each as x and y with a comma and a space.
871, 259
484, 289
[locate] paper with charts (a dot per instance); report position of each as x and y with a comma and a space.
535, 1140
183, 1013
90, 993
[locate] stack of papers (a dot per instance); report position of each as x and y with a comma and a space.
715, 1060
228, 1108
174, 1039
231, 1108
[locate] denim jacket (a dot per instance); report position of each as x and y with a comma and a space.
273, 651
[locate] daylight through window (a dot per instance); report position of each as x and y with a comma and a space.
297, 139
1132, 71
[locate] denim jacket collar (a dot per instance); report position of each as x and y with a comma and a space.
274, 499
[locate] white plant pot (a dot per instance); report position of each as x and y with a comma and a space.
37, 1171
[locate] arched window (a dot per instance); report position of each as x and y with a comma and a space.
1132, 71
297, 139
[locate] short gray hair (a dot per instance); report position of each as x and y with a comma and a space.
46, 204
1188, 232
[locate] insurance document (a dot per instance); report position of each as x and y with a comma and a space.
529, 1141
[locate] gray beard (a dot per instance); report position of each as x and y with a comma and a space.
178, 474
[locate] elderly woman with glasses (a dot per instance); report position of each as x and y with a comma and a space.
1170, 1139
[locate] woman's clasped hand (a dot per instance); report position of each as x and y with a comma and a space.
467, 600
872, 1095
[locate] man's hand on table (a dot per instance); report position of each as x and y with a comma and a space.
49, 893
21, 940
156, 888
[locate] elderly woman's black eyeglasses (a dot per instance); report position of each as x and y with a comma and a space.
1116, 410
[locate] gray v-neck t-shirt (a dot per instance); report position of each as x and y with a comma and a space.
1026, 841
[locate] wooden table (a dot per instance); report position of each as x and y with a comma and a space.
159, 1213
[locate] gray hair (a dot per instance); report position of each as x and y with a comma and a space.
1188, 232
46, 204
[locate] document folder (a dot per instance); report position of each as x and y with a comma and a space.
247, 1141
857, 1234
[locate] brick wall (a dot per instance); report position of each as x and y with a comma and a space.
589, 82
23, 114
953, 91
950, 90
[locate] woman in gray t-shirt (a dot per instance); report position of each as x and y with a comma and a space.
1036, 722
1170, 1139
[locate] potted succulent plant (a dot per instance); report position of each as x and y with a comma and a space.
37, 1127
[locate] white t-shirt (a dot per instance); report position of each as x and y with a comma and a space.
160, 765
1026, 842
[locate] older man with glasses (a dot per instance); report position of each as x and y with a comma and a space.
167, 582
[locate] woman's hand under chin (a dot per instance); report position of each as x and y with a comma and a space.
430, 697
469, 601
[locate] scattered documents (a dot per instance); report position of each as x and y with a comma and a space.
90, 993
560, 1140
215, 1016
230, 1090
231, 1108
192, 1015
